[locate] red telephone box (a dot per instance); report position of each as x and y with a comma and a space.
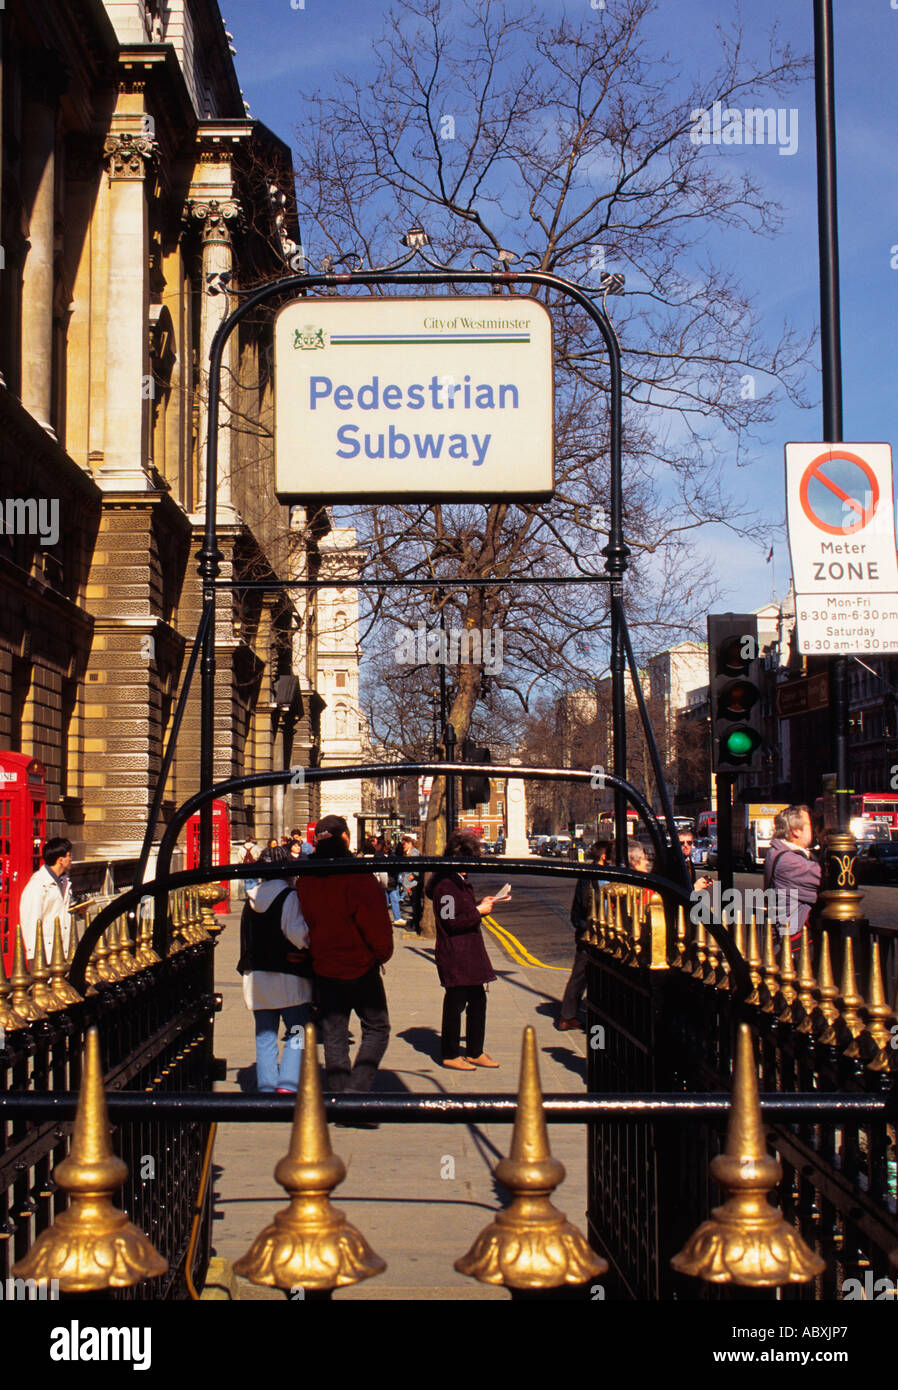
221, 846
23, 831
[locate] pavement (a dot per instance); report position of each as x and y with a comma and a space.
418, 1192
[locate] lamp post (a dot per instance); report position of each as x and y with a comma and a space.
842, 901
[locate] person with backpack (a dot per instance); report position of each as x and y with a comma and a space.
276, 967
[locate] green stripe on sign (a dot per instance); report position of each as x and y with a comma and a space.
390, 341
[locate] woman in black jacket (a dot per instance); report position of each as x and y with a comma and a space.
462, 962
580, 909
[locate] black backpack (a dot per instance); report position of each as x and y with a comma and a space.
263, 946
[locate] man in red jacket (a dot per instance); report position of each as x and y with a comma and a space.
350, 938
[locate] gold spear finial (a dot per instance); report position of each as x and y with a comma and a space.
699, 949
127, 951
145, 953
770, 986
826, 992
530, 1244
804, 1006
679, 961
747, 1241
9, 1019
19, 999
92, 1245
310, 1245
63, 992
753, 960
848, 1024
657, 936
874, 1045
44, 998
788, 993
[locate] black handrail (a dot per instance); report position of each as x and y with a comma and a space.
627, 1107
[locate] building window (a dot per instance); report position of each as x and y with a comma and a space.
340, 680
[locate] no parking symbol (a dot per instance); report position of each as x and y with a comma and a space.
842, 542
839, 492
841, 522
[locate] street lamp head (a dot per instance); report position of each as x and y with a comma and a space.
415, 238
612, 284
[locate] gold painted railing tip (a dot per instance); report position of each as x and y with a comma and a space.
309, 1245
747, 1241
91, 1246
530, 1244
20, 1000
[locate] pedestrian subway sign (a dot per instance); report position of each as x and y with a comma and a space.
417, 398
840, 511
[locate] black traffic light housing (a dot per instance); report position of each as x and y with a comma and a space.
734, 671
474, 790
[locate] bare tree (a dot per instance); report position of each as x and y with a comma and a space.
568, 143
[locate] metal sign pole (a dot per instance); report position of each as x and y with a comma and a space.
842, 905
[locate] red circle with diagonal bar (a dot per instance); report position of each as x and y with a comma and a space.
862, 480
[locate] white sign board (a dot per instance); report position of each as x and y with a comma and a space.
413, 398
841, 522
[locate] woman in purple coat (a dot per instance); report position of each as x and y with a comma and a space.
462, 962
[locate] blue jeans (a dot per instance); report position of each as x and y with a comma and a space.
269, 1076
393, 900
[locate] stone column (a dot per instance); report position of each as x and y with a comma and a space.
129, 157
217, 219
44, 80
516, 845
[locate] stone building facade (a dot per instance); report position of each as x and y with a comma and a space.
134, 188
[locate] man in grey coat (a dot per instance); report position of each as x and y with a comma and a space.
791, 870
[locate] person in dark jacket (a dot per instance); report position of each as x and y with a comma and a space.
462, 962
580, 910
350, 938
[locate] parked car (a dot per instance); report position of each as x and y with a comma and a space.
704, 853
877, 862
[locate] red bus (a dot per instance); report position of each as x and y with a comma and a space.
874, 815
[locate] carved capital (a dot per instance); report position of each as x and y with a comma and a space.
130, 156
217, 219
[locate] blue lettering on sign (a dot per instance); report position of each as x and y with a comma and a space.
396, 445
444, 393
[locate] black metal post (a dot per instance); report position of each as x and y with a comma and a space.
725, 830
842, 906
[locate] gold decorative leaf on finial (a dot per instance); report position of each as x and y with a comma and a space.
310, 1245
92, 1246
530, 1244
747, 1241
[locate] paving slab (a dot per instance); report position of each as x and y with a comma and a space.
421, 1192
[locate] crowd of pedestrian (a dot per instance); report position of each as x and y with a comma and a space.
321, 940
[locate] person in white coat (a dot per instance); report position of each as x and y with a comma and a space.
276, 969
46, 896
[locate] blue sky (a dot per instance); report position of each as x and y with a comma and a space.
285, 50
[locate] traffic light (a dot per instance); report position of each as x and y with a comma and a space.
474, 790
734, 670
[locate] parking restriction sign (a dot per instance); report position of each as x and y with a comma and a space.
840, 513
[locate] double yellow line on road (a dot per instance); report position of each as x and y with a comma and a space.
515, 948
